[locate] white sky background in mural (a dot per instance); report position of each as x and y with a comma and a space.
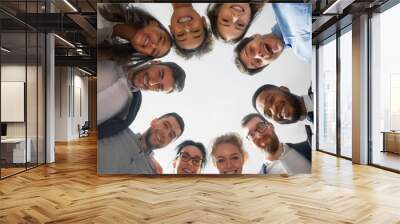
217, 96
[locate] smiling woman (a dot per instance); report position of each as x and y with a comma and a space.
215, 98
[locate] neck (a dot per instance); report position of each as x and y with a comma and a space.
303, 108
181, 5
142, 142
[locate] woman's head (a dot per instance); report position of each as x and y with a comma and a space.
190, 158
230, 21
228, 154
151, 38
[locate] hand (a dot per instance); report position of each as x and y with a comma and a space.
156, 165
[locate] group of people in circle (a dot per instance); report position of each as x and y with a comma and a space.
130, 42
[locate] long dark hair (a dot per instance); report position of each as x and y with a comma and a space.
130, 15
212, 14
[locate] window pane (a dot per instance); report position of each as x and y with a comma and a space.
385, 84
327, 97
345, 94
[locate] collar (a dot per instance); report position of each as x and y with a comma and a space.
308, 103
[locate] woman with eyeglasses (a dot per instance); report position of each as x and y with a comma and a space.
228, 154
190, 158
128, 33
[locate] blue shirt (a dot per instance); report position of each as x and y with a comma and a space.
294, 27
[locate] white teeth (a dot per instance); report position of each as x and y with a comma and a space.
185, 19
283, 112
158, 137
230, 172
187, 171
237, 8
146, 41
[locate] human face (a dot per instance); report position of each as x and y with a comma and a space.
228, 159
279, 104
156, 78
187, 27
261, 51
189, 160
264, 138
162, 131
233, 19
151, 40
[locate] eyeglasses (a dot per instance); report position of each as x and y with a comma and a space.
260, 128
196, 161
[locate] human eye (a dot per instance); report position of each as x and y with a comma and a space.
235, 158
220, 160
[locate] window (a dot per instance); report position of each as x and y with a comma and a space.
346, 93
327, 97
385, 89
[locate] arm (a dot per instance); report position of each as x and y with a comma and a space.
115, 124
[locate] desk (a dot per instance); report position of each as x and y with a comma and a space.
13, 150
391, 141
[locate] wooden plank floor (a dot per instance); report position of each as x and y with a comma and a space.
69, 191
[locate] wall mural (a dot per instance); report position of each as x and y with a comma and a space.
204, 88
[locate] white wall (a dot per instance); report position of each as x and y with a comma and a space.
68, 82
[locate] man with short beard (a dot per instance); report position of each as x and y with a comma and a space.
282, 106
294, 158
293, 30
119, 91
129, 153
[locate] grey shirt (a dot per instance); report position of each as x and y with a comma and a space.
121, 154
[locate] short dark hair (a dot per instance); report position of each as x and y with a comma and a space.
248, 117
178, 73
258, 92
178, 119
212, 14
239, 63
198, 145
205, 46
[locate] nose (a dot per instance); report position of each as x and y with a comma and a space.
235, 18
186, 27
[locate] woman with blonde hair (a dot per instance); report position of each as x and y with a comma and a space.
228, 154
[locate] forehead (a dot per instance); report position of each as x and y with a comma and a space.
192, 150
174, 124
251, 124
224, 149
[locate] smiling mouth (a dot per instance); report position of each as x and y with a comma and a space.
185, 19
231, 172
146, 41
237, 8
187, 171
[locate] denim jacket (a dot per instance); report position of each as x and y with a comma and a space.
294, 27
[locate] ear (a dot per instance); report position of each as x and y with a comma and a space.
154, 121
155, 62
174, 163
284, 89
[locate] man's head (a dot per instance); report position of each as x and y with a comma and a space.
191, 157
164, 130
278, 103
190, 31
159, 76
260, 132
254, 53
